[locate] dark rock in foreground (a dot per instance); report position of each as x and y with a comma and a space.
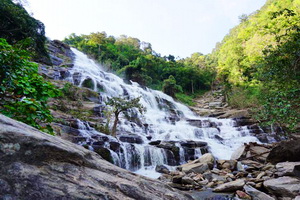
285, 151
34, 165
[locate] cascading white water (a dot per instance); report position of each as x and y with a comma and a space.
165, 120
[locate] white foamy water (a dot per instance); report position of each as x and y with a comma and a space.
165, 120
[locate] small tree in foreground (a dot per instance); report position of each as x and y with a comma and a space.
120, 105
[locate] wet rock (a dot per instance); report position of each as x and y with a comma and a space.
115, 146
77, 78
283, 186
286, 168
162, 169
199, 123
104, 153
173, 151
198, 132
58, 169
98, 143
88, 83
64, 73
231, 186
256, 194
193, 144
131, 139
78, 139
157, 142
285, 151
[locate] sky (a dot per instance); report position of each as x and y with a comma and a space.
176, 27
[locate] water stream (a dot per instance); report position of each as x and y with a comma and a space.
168, 133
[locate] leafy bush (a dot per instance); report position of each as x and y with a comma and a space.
23, 92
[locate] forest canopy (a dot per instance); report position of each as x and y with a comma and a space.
259, 62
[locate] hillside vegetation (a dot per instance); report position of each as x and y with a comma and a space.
259, 62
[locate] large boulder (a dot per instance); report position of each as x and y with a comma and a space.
35, 165
199, 165
230, 186
256, 194
285, 186
136, 139
253, 151
285, 151
287, 168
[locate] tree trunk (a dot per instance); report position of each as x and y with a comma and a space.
192, 87
114, 128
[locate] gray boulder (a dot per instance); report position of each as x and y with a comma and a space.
283, 186
35, 165
200, 165
230, 186
287, 168
256, 194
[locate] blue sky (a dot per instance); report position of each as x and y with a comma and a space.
177, 27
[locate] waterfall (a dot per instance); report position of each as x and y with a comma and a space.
168, 133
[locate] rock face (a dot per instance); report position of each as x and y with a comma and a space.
284, 186
34, 165
285, 151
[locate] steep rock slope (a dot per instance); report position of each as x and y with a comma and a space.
34, 165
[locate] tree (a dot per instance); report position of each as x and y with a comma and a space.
170, 87
120, 105
17, 25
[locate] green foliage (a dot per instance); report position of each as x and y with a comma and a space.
17, 25
170, 87
244, 97
119, 105
23, 92
186, 99
258, 61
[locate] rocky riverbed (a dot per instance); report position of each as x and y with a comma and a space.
255, 171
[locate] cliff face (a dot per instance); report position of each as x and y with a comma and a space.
35, 165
